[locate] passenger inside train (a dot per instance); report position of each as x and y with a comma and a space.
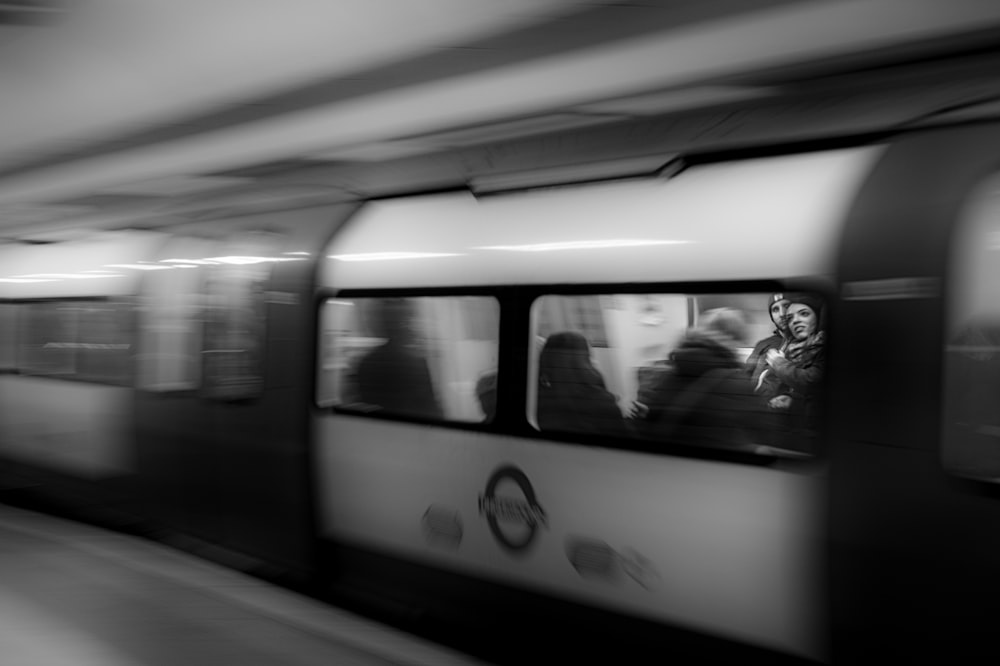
799, 366
394, 376
418, 357
706, 400
571, 392
765, 383
677, 368
706, 389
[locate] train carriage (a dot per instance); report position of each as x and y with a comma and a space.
355, 399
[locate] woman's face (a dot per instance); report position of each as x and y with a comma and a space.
801, 320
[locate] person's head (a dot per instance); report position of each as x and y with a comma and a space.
394, 319
804, 312
486, 392
565, 358
777, 306
725, 325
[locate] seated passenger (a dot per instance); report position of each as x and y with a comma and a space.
706, 399
394, 377
571, 392
800, 366
486, 393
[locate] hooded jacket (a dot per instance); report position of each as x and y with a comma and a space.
706, 399
572, 396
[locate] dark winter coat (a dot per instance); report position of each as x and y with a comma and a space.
763, 380
395, 379
706, 399
571, 393
801, 372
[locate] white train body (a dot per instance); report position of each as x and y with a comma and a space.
725, 548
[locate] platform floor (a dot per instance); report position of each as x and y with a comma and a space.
72, 594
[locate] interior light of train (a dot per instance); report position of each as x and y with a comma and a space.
582, 245
243, 260
140, 267
26, 280
298, 254
188, 263
390, 256
69, 276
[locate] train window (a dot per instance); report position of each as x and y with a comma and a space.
681, 368
89, 340
170, 344
235, 319
47, 339
105, 333
8, 337
423, 357
971, 420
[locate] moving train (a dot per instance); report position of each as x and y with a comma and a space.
212, 386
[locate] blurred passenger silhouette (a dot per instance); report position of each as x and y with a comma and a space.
486, 393
706, 398
394, 377
572, 396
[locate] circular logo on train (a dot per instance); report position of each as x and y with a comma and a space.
511, 509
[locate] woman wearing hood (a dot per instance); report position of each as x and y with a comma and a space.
706, 399
571, 393
800, 365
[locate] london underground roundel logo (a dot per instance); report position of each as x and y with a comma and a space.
513, 517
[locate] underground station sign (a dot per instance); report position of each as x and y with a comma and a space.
513, 519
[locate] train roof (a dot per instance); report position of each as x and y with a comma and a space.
756, 219
105, 264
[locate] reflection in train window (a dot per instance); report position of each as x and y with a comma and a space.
425, 357
235, 317
89, 340
169, 357
8, 337
732, 371
971, 420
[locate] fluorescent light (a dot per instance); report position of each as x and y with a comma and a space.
188, 262
140, 267
244, 260
390, 256
677, 99
69, 276
582, 245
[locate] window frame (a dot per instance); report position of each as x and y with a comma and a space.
348, 294
127, 379
514, 354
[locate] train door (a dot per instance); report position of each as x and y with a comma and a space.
224, 386
914, 502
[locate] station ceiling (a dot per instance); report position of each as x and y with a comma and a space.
117, 108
